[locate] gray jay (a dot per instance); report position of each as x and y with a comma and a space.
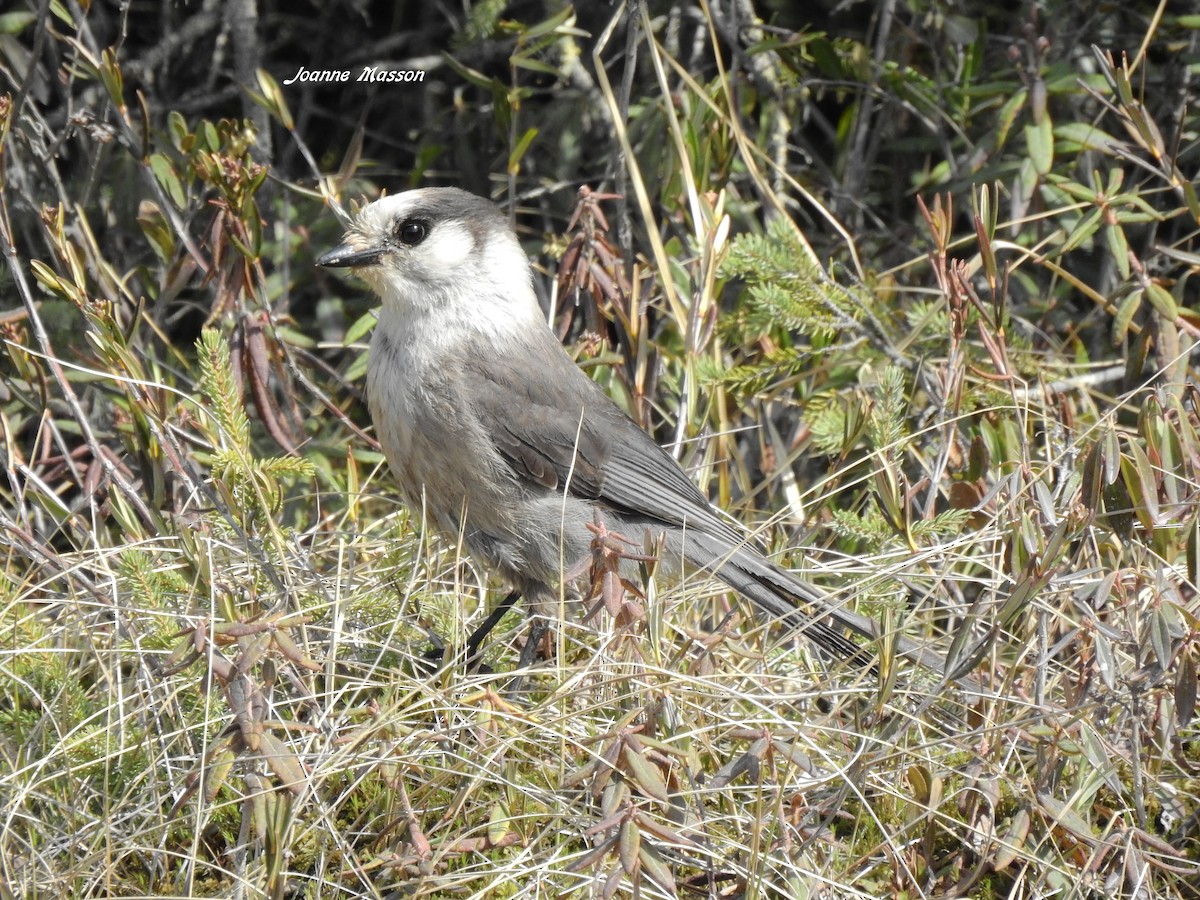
489, 426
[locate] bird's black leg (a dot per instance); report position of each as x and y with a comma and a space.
485, 627
538, 627
435, 656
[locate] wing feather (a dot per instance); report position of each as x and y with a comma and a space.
560, 429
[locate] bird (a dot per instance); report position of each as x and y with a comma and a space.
492, 430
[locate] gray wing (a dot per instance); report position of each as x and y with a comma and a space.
556, 428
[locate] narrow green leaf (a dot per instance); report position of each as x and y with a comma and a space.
156, 229
499, 823
1007, 116
1185, 689
1190, 198
357, 370
283, 762
212, 140
471, 76
363, 326
656, 867
1099, 757
1118, 246
272, 99
1193, 551
533, 64
177, 128
165, 174
646, 775
1013, 843
1023, 185
514, 158
1160, 637
1106, 660
548, 25
629, 845
1066, 816
110, 74
1112, 456
1083, 230
1142, 485
1162, 301
1022, 595
1039, 138
16, 22
1076, 137
1125, 313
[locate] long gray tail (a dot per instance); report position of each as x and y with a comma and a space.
801, 605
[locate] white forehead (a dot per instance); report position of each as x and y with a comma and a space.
382, 214
437, 205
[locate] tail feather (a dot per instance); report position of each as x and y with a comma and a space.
801, 605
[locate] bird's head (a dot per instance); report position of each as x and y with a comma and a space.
440, 250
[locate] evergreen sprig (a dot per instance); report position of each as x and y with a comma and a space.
256, 483
785, 287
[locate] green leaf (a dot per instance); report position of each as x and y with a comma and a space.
165, 173
110, 74
1162, 301
1142, 485
1039, 139
646, 775
177, 128
272, 99
535, 65
1118, 246
499, 823
1076, 137
1007, 116
1083, 230
567, 13
471, 76
828, 58
1066, 816
357, 370
295, 337
1023, 186
1075, 190
1125, 313
363, 326
656, 867
156, 229
514, 158
212, 140
1160, 637
16, 22
1190, 198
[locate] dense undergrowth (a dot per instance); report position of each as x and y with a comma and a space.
911, 299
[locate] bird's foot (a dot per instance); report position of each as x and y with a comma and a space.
538, 629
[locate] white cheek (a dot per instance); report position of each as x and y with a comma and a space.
446, 253
504, 263
508, 307
488, 289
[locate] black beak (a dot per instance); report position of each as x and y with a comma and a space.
347, 257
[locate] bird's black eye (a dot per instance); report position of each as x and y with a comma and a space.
412, 232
